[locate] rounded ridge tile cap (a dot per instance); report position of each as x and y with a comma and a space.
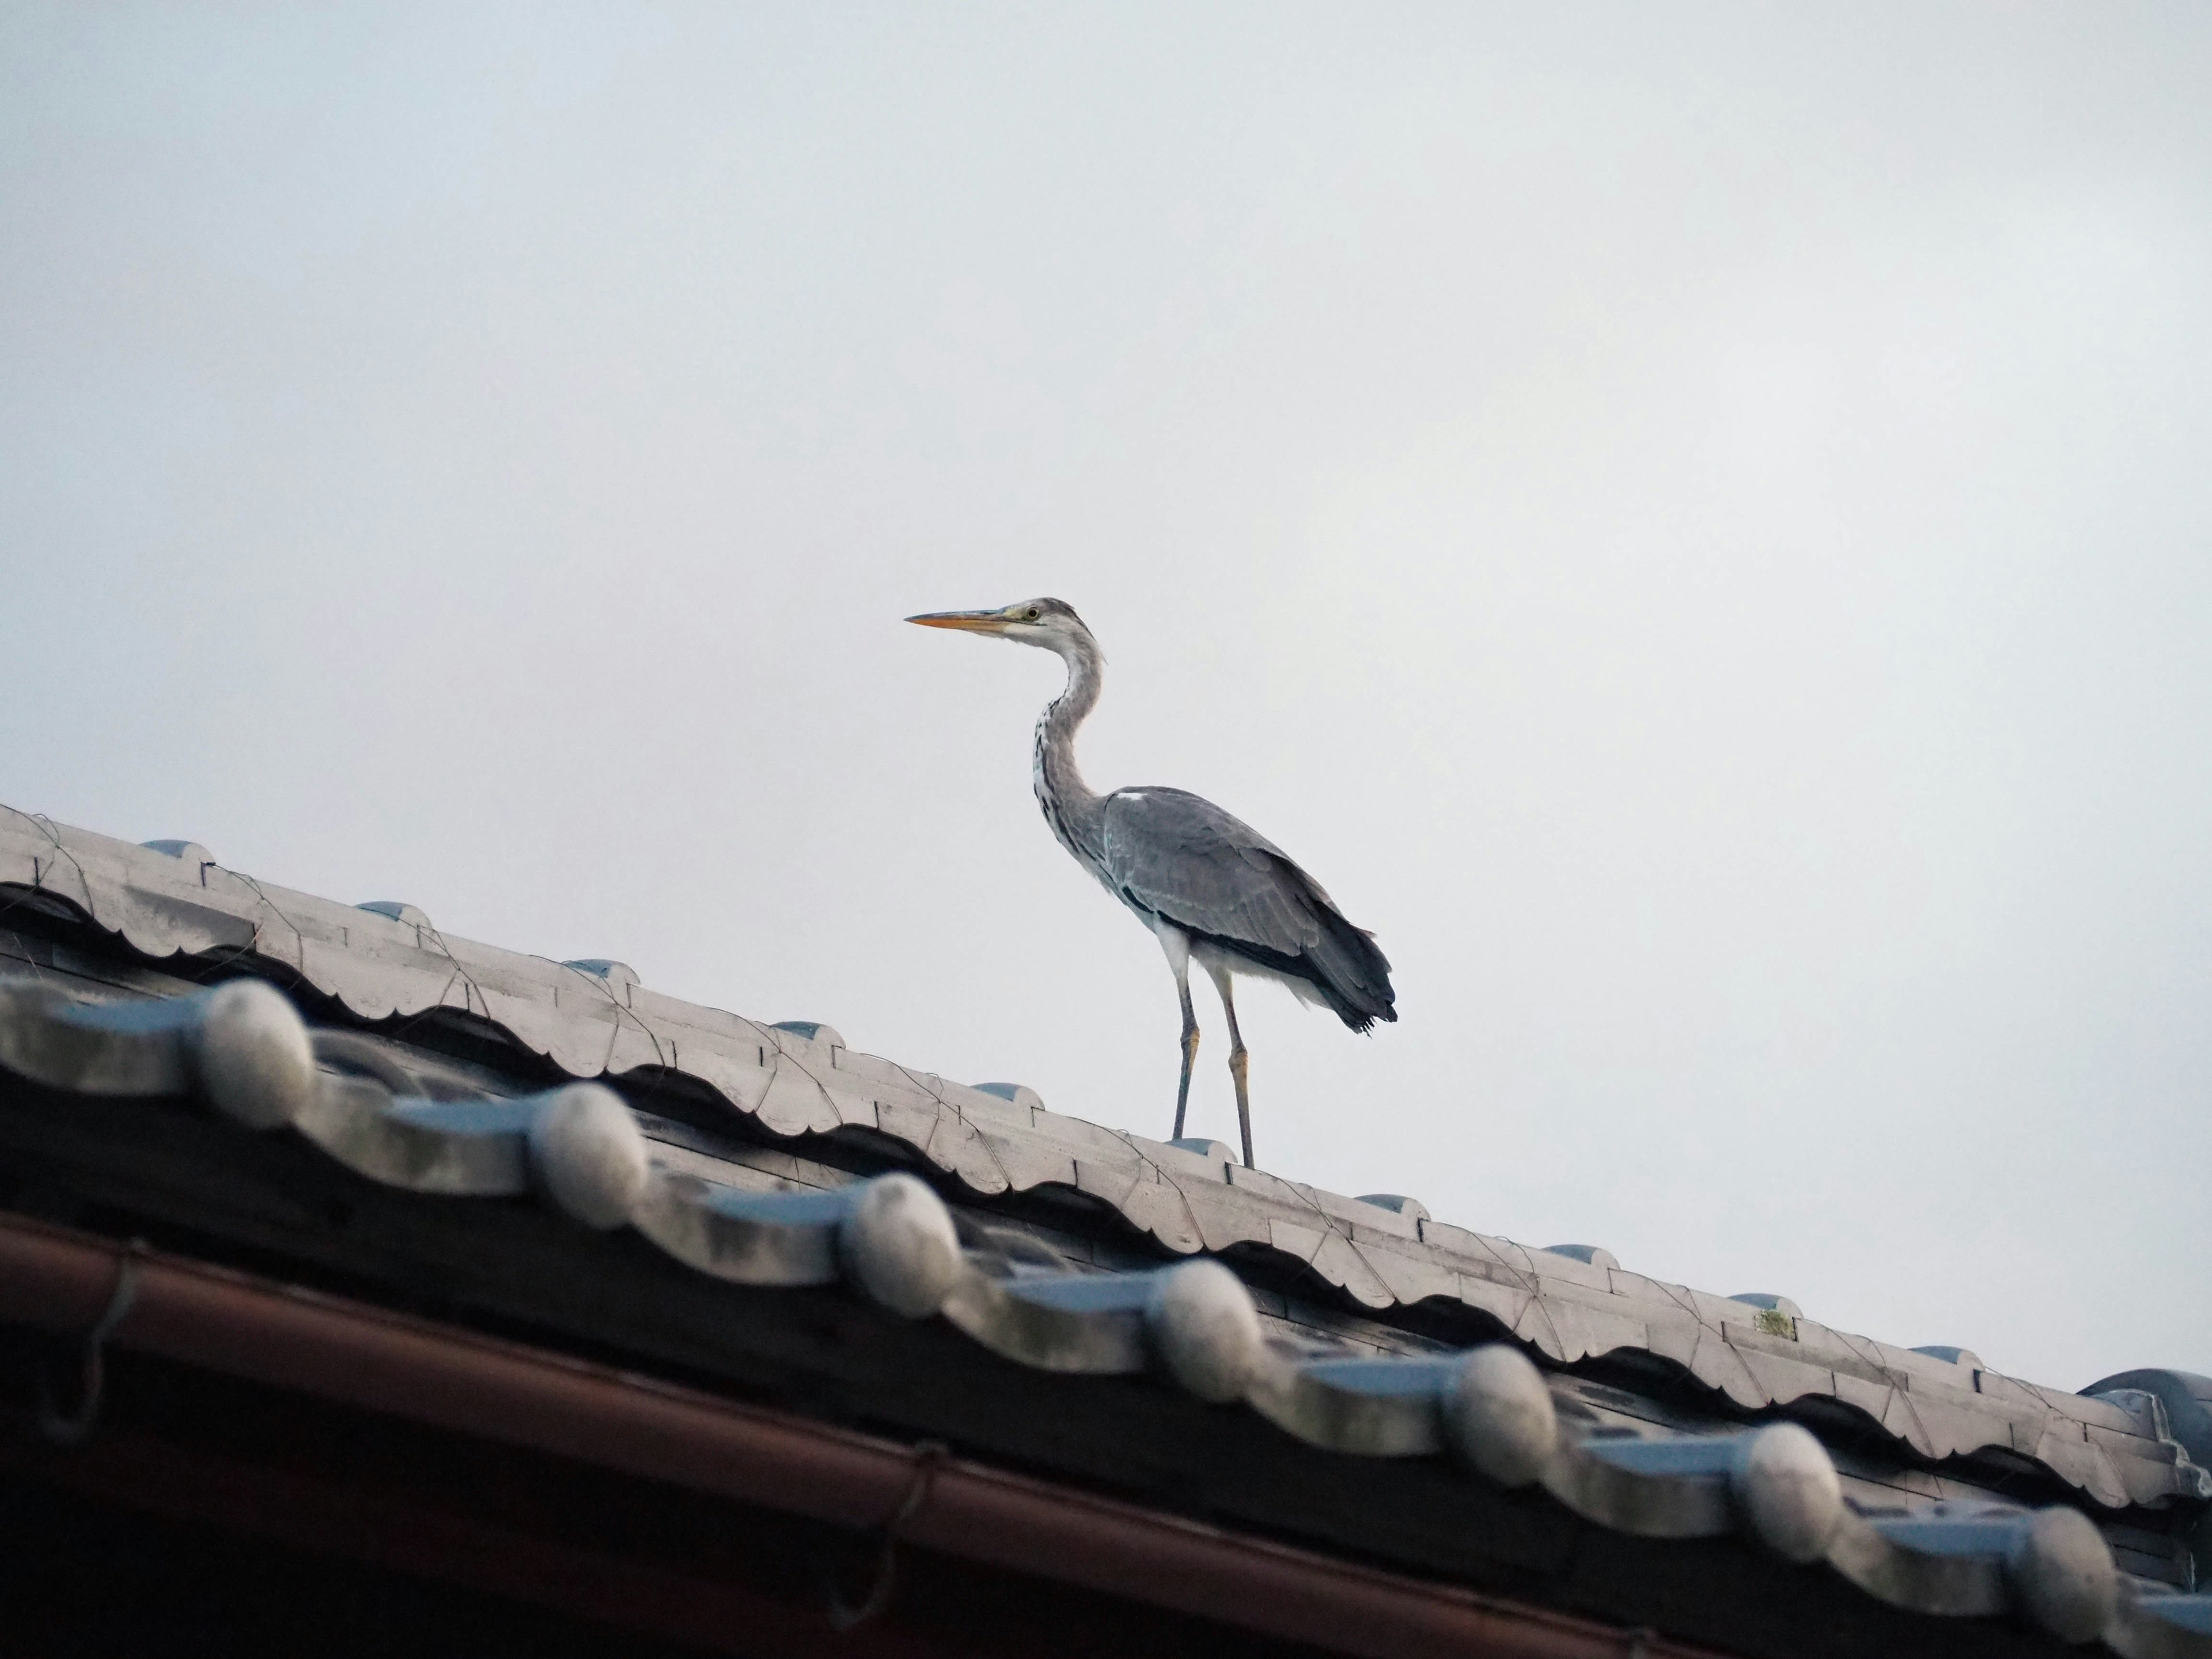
250, 1053
2062, 1575
1767, 1302
189, 851
1018, 1094
1965, 1357
813, 1030
607, 969
1411, 1208
1785, 1487
1205, 1329
1498, 1415
2187, 1398
1596, 1254
397, 910
898, 1245
589, 1155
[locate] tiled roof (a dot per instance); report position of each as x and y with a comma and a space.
770, 1218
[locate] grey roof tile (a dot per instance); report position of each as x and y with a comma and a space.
1950, 1559
592, 1024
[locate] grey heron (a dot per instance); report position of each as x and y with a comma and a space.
1212, 889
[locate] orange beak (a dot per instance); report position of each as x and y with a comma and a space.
970, 622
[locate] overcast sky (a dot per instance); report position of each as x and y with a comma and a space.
1694, 523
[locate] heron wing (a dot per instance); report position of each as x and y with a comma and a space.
1179, 856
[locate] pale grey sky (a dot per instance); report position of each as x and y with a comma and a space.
1693, 521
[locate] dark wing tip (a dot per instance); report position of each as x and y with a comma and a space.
1363, 1020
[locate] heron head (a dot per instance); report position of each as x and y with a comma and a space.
1051, 623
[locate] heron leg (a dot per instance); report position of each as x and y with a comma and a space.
1190, 1052
1239, 1063
1176, 944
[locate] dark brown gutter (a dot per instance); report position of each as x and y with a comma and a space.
457, 1380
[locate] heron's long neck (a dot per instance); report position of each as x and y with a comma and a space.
1077, 816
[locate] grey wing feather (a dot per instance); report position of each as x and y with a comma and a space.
1179, 856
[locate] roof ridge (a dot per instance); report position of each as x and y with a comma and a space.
385, 962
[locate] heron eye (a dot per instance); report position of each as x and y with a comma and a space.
1031, 614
